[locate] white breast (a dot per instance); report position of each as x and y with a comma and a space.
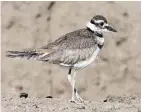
87, 62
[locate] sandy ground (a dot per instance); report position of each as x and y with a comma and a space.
35, 24
110, 104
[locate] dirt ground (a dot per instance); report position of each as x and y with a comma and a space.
117, 72
110, 104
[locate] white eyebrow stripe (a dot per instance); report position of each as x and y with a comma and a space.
99, 21
105, 24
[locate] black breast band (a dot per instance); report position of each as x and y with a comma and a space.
96, 33
100, 46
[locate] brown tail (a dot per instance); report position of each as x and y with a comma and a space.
30, 54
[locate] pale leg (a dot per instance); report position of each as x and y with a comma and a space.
75, 93
72, 80
73, 86
78, 97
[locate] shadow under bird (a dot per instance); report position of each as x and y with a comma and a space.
75, 50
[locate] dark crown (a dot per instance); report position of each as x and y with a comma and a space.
99, 17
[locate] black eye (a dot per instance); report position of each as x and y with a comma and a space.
101, 24
92, 22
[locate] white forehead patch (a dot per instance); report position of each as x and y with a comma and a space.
105, 24
99, 21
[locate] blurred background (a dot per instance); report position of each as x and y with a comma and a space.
35, 24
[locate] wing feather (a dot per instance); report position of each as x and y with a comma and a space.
72, 47
69, 57
78, 39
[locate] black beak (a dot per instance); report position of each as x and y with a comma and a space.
111, 29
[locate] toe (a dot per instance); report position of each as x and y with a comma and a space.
75, 101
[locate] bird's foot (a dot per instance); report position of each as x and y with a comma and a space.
79, 98
75, 101
82, 101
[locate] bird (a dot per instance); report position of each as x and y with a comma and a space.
74, 50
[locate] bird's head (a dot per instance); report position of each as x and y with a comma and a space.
99, 24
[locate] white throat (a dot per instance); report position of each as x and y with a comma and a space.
100, 40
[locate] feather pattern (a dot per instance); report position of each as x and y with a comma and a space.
28, 54
69, 50
78, 39
69, 57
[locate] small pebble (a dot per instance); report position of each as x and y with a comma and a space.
25, 95
35, 106
105, 100
82, 107
49, 97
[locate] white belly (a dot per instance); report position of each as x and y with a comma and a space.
87, 62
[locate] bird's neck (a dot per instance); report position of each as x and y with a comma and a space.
91, 27
98, 34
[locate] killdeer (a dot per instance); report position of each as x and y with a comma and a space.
75, 50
